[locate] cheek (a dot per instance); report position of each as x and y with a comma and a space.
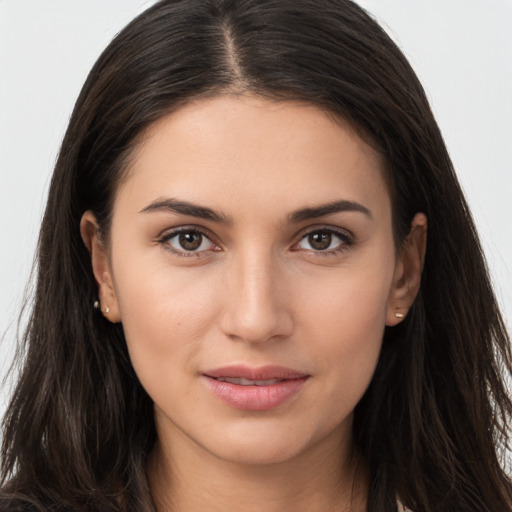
349, 339
165, 314
351, 303
346, 319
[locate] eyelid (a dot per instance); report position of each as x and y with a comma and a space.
345, 235
167, 235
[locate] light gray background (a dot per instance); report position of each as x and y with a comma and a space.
462, 52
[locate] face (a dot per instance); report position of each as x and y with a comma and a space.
252, 265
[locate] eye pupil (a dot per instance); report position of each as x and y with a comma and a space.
190, 241
320, 240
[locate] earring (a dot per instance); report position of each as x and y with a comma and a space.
107, 311
96, 304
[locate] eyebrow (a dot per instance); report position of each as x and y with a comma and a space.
186, 208
328, 209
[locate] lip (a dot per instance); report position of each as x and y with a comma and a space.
255, 397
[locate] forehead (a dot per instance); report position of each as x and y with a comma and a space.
244, 151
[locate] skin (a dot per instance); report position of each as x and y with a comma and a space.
257, 292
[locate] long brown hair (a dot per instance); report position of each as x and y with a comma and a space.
434, 422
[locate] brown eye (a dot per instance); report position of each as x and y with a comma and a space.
190, 241
325, 240
320, 240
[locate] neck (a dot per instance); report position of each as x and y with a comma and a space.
187, 478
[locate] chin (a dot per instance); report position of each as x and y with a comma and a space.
265, 444
257, 453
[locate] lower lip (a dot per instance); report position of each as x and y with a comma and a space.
255, 398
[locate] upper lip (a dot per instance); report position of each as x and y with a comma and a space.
260, 373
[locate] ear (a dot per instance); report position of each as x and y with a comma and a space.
91, 236
407, 276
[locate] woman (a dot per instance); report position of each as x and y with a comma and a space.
237, 306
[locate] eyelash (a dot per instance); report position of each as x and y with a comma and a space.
164, 239
347, 241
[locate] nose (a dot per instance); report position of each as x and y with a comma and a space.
256, 306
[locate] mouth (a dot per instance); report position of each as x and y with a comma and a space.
260, 374
255, 389
248, 382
